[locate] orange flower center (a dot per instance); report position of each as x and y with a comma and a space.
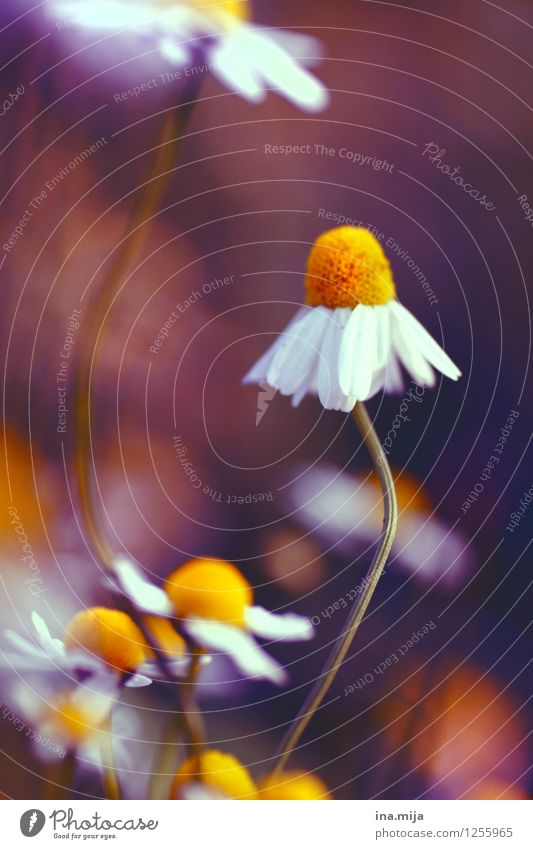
109, 634
210, 589
347, 267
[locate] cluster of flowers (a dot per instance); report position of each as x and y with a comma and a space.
205, 607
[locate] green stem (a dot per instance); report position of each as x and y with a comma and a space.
345, 640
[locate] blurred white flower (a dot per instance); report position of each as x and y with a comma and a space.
247, 59
212, 603
348, 342
346, 511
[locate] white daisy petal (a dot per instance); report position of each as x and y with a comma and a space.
427, 345
23, 645
282, 72
234, 69
138, 680
358, 353
177, 54
241, 646
407, 351
276, 626
287, 354
146, 596
50, 645
330, 393
258, 372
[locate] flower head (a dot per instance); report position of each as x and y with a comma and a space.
348, 342
221, 774
247, 59
212, 602
293, 785
111, 635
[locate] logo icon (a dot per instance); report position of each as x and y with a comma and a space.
265, 395
32, 822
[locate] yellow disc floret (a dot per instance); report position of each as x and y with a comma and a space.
293, 785
238, 9
68, 721
109, 634
218, 771
210, 589
165, 636
347, 267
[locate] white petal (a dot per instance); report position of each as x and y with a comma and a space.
279, 626
235, 69
329, 391
302, 355
383, 334
358, 352
258, 372
407, 351
288, 351
138, 680
23, 645
281, 71
246, 654
176, 53
50, 645
146, 596
427, 345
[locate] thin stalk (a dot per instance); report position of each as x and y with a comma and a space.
153, 184
355, 618
110, 779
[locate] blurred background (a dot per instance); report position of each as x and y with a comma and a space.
286, 494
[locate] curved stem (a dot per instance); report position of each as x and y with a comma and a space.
344, 642
152, 187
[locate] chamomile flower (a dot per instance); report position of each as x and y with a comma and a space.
292, 785
66, 720
213, 775
213, 605
346, 511
98, 641
244, 57
350, 339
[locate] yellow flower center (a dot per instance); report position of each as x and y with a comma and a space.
237, 9
293, 785
69, 722
110, 634
210, 589
165, 636
217, 770
347, 267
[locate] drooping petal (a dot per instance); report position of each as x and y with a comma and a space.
407, 351
235, 69
50, 645
279, 626
426, 344
146, 597
138, 680
279, 70
329, 391
301, 356
258, 372
241, 646
288, 354
358, 353
25, 646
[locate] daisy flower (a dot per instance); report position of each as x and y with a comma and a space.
350, 339
97, 642
213, 604
346, 511
244, 57
213, 775
71, 720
